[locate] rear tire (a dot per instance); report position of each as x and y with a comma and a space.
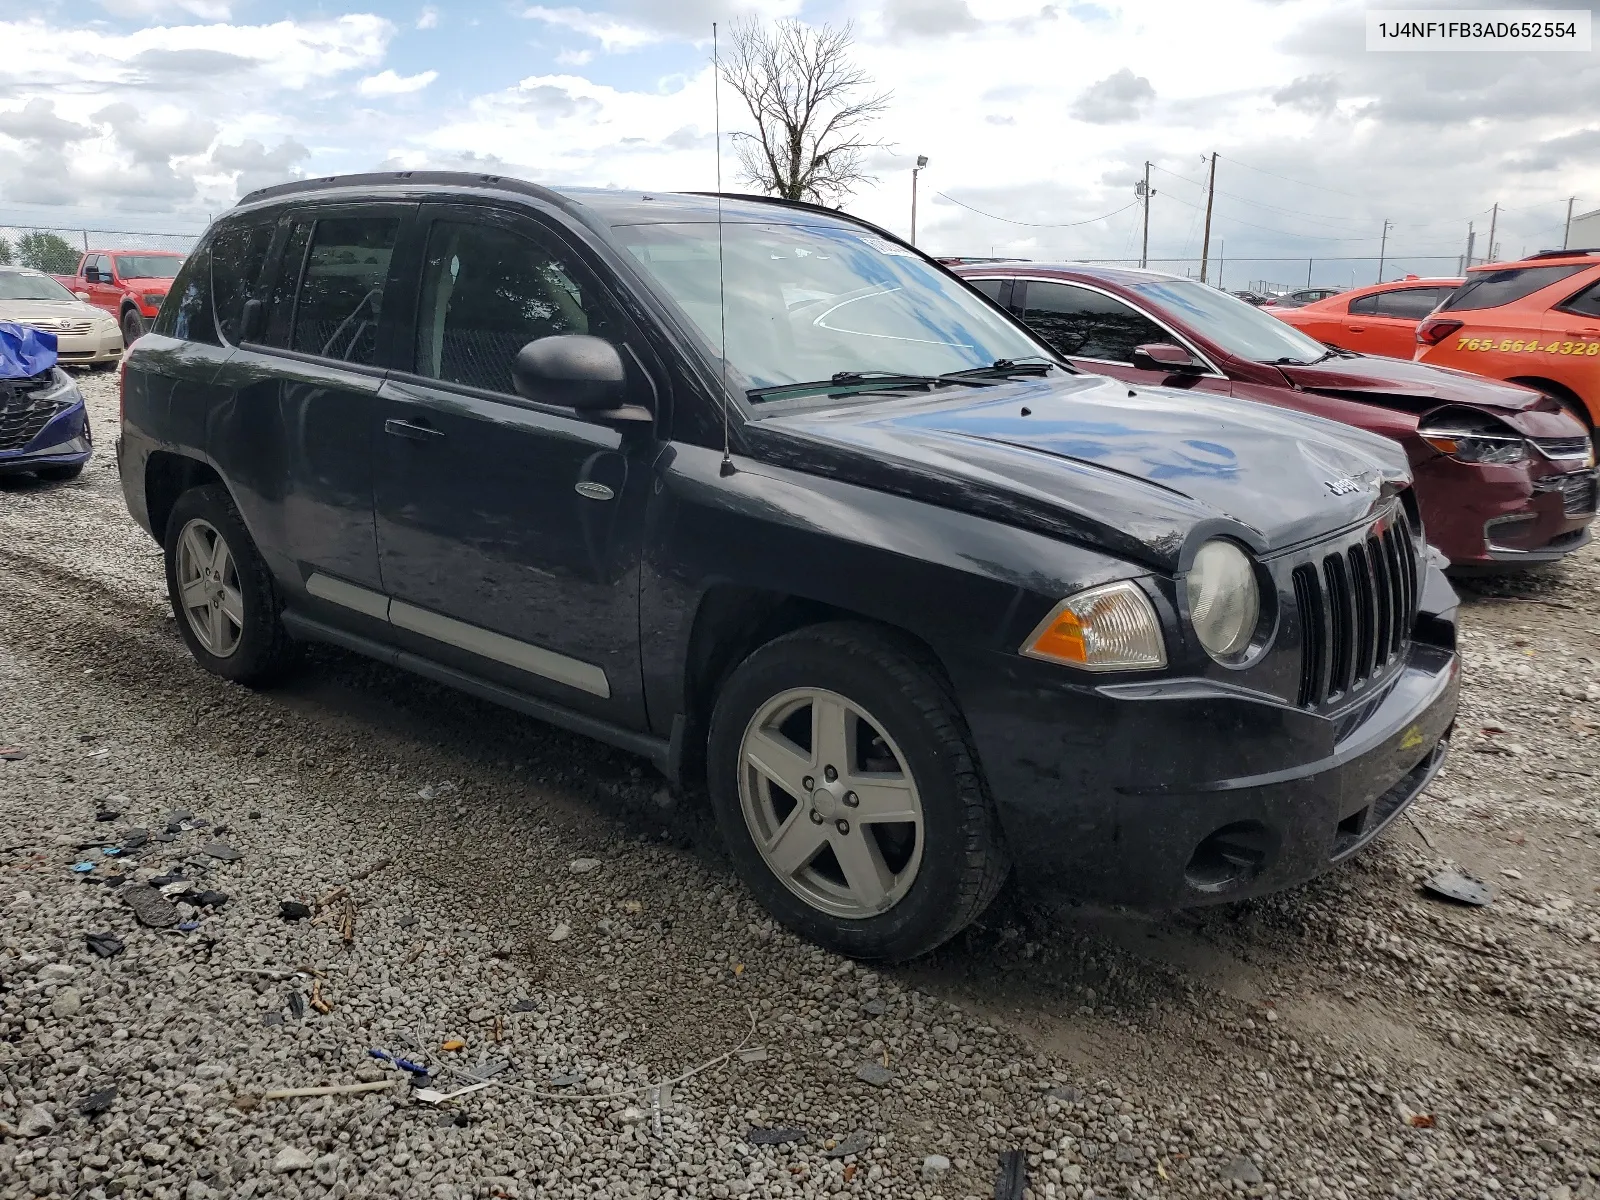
903, 743
224, 599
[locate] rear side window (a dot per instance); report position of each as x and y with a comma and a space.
486, 293
237, 257
341, 290
1083, 324
280, 315
1586, 303
1491, 289
1410, 304
186, 312
989, 287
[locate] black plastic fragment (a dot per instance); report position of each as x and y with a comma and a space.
774, 1137
293, 910
1013, 1175
106, 945
98, 1102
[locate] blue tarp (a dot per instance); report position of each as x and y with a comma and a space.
25, 351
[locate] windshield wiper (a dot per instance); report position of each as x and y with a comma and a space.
1000, 369
843, 383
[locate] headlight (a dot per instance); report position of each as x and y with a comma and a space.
154, 299
1472, 437
1107, 628
62, 388
1224, 601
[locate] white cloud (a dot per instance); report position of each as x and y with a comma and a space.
206, 10
575, 58
387, 83
429, 18
613, 34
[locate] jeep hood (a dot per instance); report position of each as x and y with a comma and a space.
1136, 471
1420, 387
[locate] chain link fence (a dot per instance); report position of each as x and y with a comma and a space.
57, 248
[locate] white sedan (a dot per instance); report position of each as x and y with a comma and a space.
85, 336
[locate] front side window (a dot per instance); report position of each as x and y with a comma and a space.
340, 297
807, 302
148, 266
1084, 324
1239, 328
486, 293
1491, 289
237, 257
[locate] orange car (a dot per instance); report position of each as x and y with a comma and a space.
1381, 319
1535, 322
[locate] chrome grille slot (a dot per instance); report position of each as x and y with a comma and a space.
1357, 602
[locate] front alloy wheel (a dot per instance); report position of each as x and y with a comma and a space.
830, 804
848, 791
208, 584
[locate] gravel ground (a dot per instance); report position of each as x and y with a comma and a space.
486, 890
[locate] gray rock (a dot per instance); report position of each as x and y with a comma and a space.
874, 1073
326, 1169
57, 972
561, 932
66, 1004
155, 1152
582, 866
934, 1168
35, 1122
1243, 1170
291, 1158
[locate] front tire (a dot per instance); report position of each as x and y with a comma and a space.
132, 327
848, 793
221, 591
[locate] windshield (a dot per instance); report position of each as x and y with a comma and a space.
806, 302
31, 285
148, 266
1237, 327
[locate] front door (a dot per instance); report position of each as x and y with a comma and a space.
508, 531
103, 293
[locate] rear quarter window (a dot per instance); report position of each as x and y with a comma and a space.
186, 312
237, 258
1586, 303
1491, 289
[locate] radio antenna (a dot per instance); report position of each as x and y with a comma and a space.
722, 293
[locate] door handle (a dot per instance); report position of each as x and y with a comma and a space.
413, 430
1356, 328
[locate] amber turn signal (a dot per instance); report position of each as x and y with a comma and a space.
1112, 627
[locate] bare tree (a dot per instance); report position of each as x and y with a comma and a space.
811, 106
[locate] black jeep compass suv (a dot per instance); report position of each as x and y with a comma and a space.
919, 602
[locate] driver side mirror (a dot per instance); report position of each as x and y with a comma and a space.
1164, 356
578, 371
250, 320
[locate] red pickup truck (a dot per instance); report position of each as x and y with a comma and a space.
128, 284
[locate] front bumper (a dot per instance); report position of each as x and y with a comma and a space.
1183, 792
1482, 516
66, 440
89, 349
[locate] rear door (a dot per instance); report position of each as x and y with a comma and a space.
509, 532
1572, 343
310, 383
1386, 322
1098, 332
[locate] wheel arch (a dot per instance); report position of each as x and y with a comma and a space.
1559, 391
732, 622
167, 476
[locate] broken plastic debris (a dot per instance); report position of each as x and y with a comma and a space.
404, 1064
96, 1103
221, 851
106, 945
774, 1137
754, 1054
188, 926
293, 910
83, 867
12, 754
525, 1006
454, 1043
297, 1005
150, 906
430, 1096
1464, 889
856, 1143
1012, 1179
490, 1069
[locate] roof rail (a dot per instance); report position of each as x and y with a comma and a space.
379, 178
1576, 250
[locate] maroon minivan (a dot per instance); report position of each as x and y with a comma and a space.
1504, 476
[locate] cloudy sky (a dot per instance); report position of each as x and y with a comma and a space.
150, 114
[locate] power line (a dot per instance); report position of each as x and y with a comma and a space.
1286, 179
1036, 224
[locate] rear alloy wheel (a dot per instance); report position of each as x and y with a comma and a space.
221, 590
132, 327
848, 794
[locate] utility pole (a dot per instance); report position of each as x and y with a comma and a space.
1383, 246
1222, 247
1211, 190
1144, 193
1567, 232
922, 161
1471, 238
1494, 216
1308, 271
